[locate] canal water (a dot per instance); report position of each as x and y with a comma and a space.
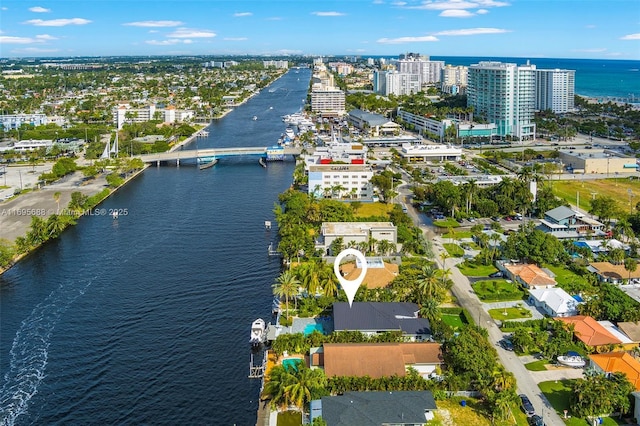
146, 319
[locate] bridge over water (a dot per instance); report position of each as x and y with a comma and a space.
216, 153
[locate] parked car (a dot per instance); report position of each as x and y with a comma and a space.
526, 405
506, 344
498, 274
536, 420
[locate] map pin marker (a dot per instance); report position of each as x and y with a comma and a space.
350, 286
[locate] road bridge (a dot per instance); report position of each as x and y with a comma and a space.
217, 153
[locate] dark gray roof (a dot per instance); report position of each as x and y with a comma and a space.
379, 316
371, 118
560, 213
377, 408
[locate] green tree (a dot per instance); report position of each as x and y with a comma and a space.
630, 265
286, 286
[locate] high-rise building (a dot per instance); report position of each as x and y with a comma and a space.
397, 83
454, 79
429, 71
555, 90
504, 94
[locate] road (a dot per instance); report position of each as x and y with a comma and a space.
467, 298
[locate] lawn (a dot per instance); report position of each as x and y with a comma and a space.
537, 365
446, 223
452, 320
458, 235
474, 270
558, 392
614, 188
564, 276
474, 413
511, 313
497, 290
289, 418
373, 209
453, 249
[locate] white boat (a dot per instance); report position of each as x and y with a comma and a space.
254, 118
571, 361
289, 133
258, 332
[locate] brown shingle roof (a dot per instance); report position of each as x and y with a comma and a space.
377, 359
609, 270
590, 331
631, 329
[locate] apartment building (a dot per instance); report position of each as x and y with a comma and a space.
555, 90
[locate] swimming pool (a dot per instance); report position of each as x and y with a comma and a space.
310, 328
291, 363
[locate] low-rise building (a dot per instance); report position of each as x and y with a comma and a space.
374, 124
617, 362
590, 331
383, 359
554, 302
340, 180
564, 222
435, 152
612, 273
372, 318
601, 161
379, 273
528, 275
398, 408
353, 233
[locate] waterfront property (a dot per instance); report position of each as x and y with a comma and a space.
353, 233
383, 359
371, 318
375, 124
340, 180
379, 273
402, 408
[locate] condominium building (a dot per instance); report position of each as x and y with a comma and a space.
453, 79
429, 71
340, 180
504, 94
276, 64
396, 83
555, 90
14, 121
124, 113
329, 101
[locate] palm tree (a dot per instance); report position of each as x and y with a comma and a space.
286, 286
309, 274
329, 280
430, 310
384, 247
56, 197
306, 381
630, 264
428, 284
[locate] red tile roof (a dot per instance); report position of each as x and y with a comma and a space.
590, 331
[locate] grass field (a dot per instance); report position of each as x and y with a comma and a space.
452, 320
473, 270
614, 188
497, 290
564, 276
446, 223
458, 235
289, 418
511, 313
373, 209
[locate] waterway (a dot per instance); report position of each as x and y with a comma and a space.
145, 319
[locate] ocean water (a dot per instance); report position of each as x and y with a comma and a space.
594, 77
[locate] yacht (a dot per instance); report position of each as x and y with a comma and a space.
289, 133
575, 361
258, 332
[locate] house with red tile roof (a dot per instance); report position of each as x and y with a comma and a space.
590, 332
529, 275
617, 362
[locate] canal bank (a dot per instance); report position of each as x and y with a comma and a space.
146, 320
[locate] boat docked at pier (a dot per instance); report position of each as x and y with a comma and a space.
258, 332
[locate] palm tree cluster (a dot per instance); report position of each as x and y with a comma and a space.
42, 230
296, 385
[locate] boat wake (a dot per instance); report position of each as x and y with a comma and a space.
30, 351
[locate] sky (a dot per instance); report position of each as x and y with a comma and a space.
589, 29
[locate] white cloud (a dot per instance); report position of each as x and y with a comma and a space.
275, 18
398, 40
58, 22
168, 42
4, 8
235, 38
328, 13
590, 26
153, 24
26, 40
191, 33
472, 31
34, 50
635, 36
459, 4
399, 3
242, 14
456, 13
482, 12
38, 9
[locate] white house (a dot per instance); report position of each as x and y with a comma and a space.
555, 302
